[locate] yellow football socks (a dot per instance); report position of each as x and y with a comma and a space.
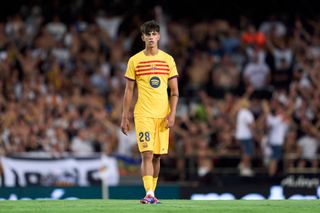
148, 183
155, 180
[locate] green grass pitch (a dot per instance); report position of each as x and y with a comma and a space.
176, 206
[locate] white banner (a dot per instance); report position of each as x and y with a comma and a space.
66, 171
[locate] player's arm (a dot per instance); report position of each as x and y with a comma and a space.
174, 96
127, 98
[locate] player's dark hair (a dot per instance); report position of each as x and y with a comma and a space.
150, 26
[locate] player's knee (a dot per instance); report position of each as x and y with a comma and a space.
147, 156
156, 157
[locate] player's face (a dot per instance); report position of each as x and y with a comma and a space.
151, 39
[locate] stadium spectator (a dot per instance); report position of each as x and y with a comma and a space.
256, 75
292, 150
245, 124
309, 144
81, 144
277, 123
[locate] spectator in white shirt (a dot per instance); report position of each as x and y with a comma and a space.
256, 73
277, 123
80, 144
127, 144
56, 28
309, 145
244, 135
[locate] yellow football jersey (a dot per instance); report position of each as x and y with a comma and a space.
151, 74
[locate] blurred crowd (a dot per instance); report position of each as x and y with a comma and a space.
61, 88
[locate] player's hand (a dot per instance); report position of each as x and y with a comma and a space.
125, 125
170, 120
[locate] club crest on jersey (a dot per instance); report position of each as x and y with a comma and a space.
153, 67
155, 82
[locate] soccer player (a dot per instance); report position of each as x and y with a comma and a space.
152, 70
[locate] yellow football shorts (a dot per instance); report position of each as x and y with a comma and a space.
152, 134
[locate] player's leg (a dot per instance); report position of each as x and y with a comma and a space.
147, 171
147, 177
161, 145
145, 139
156, 169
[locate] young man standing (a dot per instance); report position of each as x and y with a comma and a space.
154, 114
245, 125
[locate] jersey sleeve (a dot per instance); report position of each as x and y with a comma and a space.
173, 69
130, 72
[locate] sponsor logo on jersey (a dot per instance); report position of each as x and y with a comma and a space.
155, 82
